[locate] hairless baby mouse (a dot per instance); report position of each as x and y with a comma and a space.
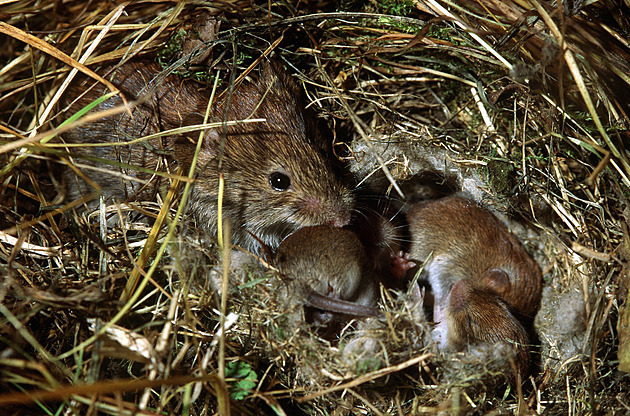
277, 178
480, 274
330, 270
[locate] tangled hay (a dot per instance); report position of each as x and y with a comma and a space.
524, 104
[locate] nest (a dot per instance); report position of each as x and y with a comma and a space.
524, 105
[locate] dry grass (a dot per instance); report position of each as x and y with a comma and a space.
529, 100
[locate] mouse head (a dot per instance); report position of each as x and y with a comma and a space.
478, 315
277, 176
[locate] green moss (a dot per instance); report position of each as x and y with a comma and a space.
534, 159
367, 365
396, 7
171, 48
500, 175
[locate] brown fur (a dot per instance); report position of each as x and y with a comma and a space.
469, 242
330, 262
476, 314
481, 276
287, 142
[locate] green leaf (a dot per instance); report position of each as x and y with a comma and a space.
245, 379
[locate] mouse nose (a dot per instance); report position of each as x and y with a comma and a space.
341, 210
338, 222
323, 212
339, 215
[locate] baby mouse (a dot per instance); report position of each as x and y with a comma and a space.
476, 314
277, 178
329, 271
461, 240
485, 285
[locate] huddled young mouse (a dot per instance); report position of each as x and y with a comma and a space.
328, 271
378, 224
277, 177
476, 314
486, 286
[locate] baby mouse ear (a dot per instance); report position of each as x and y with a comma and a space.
497, 280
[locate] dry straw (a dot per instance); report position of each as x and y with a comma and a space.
530, 96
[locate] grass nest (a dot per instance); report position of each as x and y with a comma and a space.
523, 104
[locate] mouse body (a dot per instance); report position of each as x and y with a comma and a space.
277, 176
475, 314
329, 271
459, 239
486, 287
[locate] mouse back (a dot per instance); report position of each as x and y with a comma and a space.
155, 109
471, 243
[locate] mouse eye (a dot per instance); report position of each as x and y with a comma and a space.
279, 181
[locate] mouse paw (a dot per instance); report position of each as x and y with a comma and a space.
400, 264
439, 334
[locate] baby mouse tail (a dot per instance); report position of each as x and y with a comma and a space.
319, 301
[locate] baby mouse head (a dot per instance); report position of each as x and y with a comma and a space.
477, 315
330, 261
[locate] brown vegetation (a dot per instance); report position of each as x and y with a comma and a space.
523, 103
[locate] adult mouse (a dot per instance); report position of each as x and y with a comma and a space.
277, 177
328, 270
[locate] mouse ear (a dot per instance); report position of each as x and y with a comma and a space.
497, 280
185, 146
275, 78
458, 298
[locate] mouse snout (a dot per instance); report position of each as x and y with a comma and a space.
325, 212
339, 222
